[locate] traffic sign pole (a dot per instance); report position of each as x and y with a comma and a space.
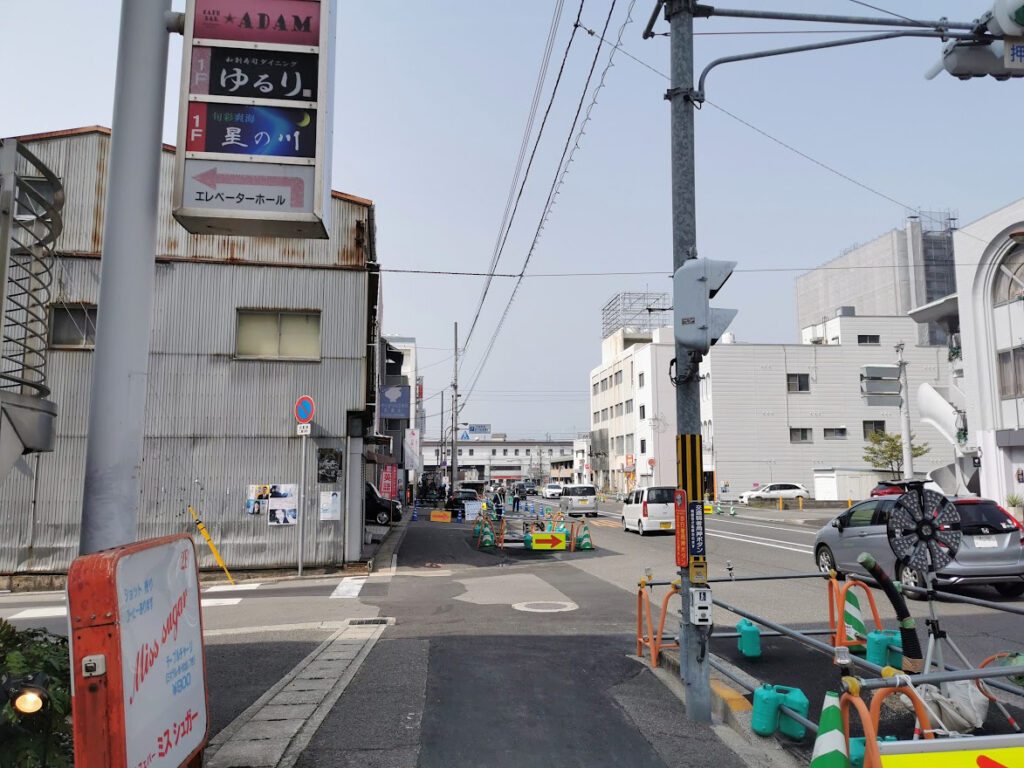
304, 410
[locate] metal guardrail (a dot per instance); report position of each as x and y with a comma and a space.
30, 223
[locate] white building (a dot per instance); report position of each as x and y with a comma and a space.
497, 459
983, 411
770, 412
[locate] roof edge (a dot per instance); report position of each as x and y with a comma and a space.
103, 130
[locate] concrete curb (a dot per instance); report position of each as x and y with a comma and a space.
390, 545
730, 708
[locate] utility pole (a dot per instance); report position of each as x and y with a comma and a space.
908, 449
694, 664
455, 412
120, 362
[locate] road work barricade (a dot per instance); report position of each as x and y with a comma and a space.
844, 613
649, 639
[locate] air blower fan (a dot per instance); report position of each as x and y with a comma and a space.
924, 532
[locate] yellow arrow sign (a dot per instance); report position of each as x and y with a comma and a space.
438, 516
979, 752
548, 541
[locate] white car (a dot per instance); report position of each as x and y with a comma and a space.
775, 491
650, 509
552, 491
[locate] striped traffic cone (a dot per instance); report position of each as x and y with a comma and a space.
854, 621
415, 513
830, 743
583, 541
486, 536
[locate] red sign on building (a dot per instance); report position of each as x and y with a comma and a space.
292, 22
389, 481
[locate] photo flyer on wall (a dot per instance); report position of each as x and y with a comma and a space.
330, 505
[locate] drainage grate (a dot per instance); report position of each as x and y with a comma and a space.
353, 622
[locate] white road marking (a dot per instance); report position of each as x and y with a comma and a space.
215, 601
773, 527
348, 587
233, 587
545, 606
394, 564
49, 612
803, 549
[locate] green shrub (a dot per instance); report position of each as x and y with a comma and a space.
45, 737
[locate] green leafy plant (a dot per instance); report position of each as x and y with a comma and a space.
885, 451
1014, 500
45, 737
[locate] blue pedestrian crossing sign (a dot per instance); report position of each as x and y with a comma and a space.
464, 436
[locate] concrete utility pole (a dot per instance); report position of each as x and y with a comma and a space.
908, 449
455, 412
696, 674
120, 363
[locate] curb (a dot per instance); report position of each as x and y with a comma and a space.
730, 707
390, 545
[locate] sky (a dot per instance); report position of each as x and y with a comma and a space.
798, 158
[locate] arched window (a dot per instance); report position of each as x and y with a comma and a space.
1009, 282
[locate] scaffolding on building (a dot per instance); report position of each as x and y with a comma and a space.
636, 312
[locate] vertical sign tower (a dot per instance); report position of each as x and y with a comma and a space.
254, 121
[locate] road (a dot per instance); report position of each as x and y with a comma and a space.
511, 657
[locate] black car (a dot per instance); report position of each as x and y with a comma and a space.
381, 511
457, 502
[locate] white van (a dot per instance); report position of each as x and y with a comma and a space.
650, 509
579, 500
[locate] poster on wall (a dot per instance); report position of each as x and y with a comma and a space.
328, 462
256, 499
330, 505
389, 481
283, 504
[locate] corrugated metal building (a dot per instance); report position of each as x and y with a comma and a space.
219, 414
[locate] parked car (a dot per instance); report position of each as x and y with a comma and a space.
552, 491
381, 511
991, 551
579, 500
650, 509
461, 496
775, 491
899, 487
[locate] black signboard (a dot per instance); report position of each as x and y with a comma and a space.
696, 529
328, 462
254, 74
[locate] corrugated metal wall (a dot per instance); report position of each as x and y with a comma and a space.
213, 424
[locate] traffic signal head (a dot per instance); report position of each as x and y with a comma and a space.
995, 53
697, 324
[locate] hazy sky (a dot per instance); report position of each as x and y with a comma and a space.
431, 101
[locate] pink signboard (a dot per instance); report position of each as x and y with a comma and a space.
291, 22
388, 477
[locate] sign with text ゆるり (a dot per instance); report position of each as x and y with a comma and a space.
254, 118
137, 654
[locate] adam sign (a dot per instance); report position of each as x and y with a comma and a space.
254, 121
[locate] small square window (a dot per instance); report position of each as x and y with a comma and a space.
643, 446
835, 433
868, 338
640, 382
277, 335
629, 406
799, 435
504, 451
798, 382
470, 451
494, 451
516, 451
618, 377
643, 412
873, 426
72, 326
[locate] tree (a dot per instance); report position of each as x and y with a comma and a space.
885, 451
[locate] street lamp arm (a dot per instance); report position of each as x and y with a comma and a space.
698, 96
890, 21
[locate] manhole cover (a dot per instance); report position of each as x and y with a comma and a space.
545, 606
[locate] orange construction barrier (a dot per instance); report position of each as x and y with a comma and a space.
869, 719
837, 611
643, 608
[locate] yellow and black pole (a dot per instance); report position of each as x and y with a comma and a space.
209, 542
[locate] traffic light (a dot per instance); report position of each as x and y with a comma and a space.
697, 324
991, 54
880, 385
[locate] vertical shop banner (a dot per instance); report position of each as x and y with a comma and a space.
389, 481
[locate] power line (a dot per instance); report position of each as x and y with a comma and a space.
560, 173
889, 13
506, 224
